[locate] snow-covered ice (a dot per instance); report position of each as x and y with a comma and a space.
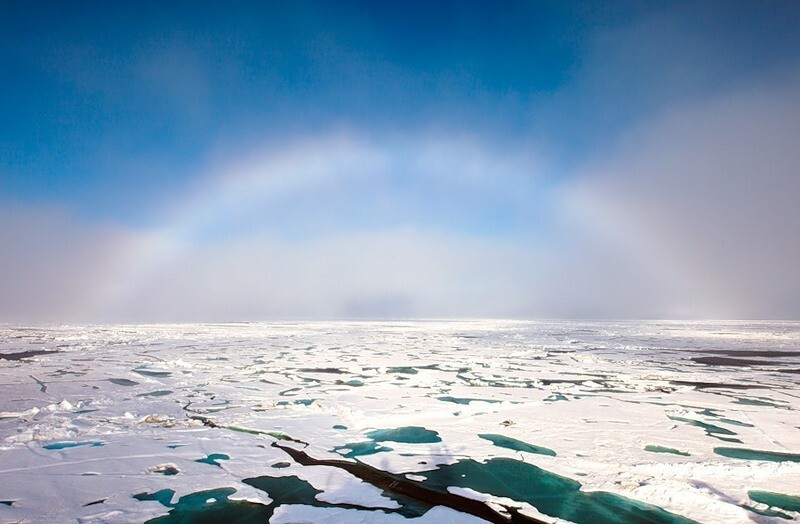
127, 423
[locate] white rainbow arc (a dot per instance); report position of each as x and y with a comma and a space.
341, 159
273, 174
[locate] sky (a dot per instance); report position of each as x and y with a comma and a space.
199, 161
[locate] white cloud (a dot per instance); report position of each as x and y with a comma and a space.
389, 273
712, 190
51, 266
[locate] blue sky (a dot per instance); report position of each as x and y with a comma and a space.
199, 161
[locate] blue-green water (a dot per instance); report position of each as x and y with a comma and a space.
123, 382
662, 449
551, 494
516, 445
293, 490
777, 500
712, 430
407, 434
359, 449
754, 454
159, 393
466, 401
213, 459
207, 507
71, 444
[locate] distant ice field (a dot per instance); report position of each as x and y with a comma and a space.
404, 421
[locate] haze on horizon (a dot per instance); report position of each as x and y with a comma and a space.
193, 161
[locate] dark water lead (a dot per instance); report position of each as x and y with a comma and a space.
727, 361
26, 354
516, 445
754, 454
712, 385
661, 449
749, 353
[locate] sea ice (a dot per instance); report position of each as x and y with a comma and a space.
684, 420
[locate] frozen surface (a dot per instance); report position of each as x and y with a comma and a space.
128, 423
